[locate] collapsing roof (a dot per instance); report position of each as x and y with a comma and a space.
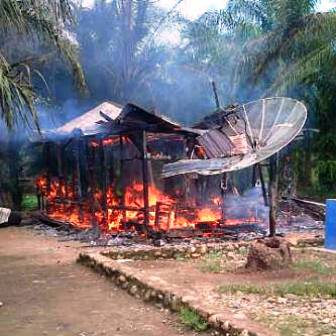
134, 119
256, 130
110, 118
225, 141
86, 124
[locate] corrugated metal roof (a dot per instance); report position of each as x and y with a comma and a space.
271, 124
87, 122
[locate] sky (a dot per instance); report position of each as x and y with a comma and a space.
192, 9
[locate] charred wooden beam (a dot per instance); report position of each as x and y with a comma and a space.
315, 209
53, 222
121, 150
263, 185
126, 208
59, 168
145, 176
78, 186
89, 167
103, 176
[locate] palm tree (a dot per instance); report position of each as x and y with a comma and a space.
41, 28
294, 42
265, 47
118, 52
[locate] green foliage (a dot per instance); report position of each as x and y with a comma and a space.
244, 288
27, 26
29, 203
326, 170
309, 288
118, 52
281, 47
193, 320
315, 266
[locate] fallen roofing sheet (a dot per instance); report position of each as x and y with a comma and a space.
270, 125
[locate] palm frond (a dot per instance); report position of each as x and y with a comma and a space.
44, 23
306, 68
284, 42
16, 95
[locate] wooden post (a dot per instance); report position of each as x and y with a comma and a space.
79, 179
59, 169
103, 174
65, 173
214, 88
254, 175
38, 196
145, 179
121, 149
273, 194
223, 188
89, 168
47, 155
263, 185
47, 163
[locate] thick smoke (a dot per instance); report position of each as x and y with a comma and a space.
129, 61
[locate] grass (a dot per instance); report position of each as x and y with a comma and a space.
244, 288
193, 320
212, 262
29, 203
315, 266
311, 288
291, 325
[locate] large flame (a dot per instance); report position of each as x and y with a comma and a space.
64, 204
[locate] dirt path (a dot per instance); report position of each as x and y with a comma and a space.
44, 292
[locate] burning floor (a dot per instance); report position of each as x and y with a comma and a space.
168, 217
292, 221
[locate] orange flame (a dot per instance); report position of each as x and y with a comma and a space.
164, 212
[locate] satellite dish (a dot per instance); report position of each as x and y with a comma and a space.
242, 137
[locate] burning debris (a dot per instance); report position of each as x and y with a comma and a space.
108, 171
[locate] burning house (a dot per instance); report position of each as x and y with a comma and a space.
124, 169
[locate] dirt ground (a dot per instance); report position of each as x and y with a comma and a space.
44, 292
286, 313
